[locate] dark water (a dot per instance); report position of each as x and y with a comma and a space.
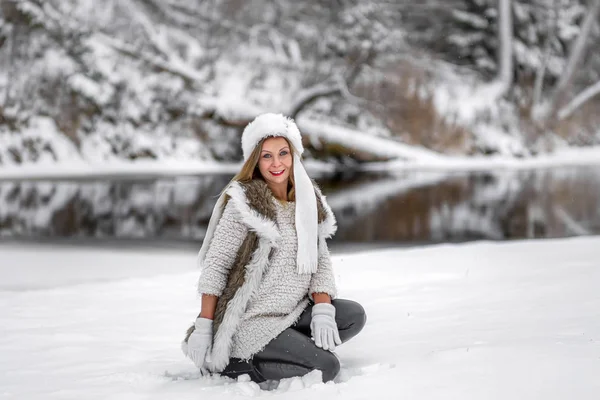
409, 208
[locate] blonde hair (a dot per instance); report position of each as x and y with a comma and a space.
250, 171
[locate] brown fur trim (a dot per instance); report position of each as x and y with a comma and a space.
235, 280
236, 277
190, 330
260, 198
321, 213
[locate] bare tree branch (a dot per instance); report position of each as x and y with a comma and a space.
190, 76
573, 226
579, 100
151, 33
340, 84
311, 94
191, 17
575, 57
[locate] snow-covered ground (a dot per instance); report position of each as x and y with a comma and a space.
511, 320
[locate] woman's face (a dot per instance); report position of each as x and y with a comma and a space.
275, 160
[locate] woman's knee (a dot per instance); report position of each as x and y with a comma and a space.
359, 316
350, 317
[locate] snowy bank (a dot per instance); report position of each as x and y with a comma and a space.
561, 158
564, 157
139, 168
474, 321
400, 156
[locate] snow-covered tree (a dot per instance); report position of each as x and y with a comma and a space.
543, 110
465, 33
180, 78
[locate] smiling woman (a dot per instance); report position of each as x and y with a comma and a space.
269, 306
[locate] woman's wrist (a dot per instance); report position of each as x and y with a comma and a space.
209, 305
321, 298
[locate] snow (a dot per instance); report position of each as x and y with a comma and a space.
476, 21
138, 168
41, 144
491, 137
233, 100
485, 320
117, 168
98, 93
77, 168
57, 63
563, 157
464, 101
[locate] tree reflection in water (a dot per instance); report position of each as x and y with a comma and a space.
409, 207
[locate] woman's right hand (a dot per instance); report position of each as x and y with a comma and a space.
199, 344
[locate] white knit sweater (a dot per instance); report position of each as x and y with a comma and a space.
282, 294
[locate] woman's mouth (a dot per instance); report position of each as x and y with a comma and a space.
277, 173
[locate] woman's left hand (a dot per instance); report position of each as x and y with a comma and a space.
323, 326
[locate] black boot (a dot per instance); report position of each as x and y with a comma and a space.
237, 367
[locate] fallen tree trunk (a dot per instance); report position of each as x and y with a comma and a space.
338, 140
356, 141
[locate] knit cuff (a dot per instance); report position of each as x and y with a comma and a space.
323, 287
208, 288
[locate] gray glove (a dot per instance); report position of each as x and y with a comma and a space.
323, 327
199, 343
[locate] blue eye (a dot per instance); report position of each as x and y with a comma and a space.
267, 156
284, 153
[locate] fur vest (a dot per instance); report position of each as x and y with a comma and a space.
254, 201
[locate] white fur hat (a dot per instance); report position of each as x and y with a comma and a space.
270, 124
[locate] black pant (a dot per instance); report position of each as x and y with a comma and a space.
293, 353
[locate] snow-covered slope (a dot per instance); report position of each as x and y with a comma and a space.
105, 82
514, 320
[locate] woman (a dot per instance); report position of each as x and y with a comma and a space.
268, 290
